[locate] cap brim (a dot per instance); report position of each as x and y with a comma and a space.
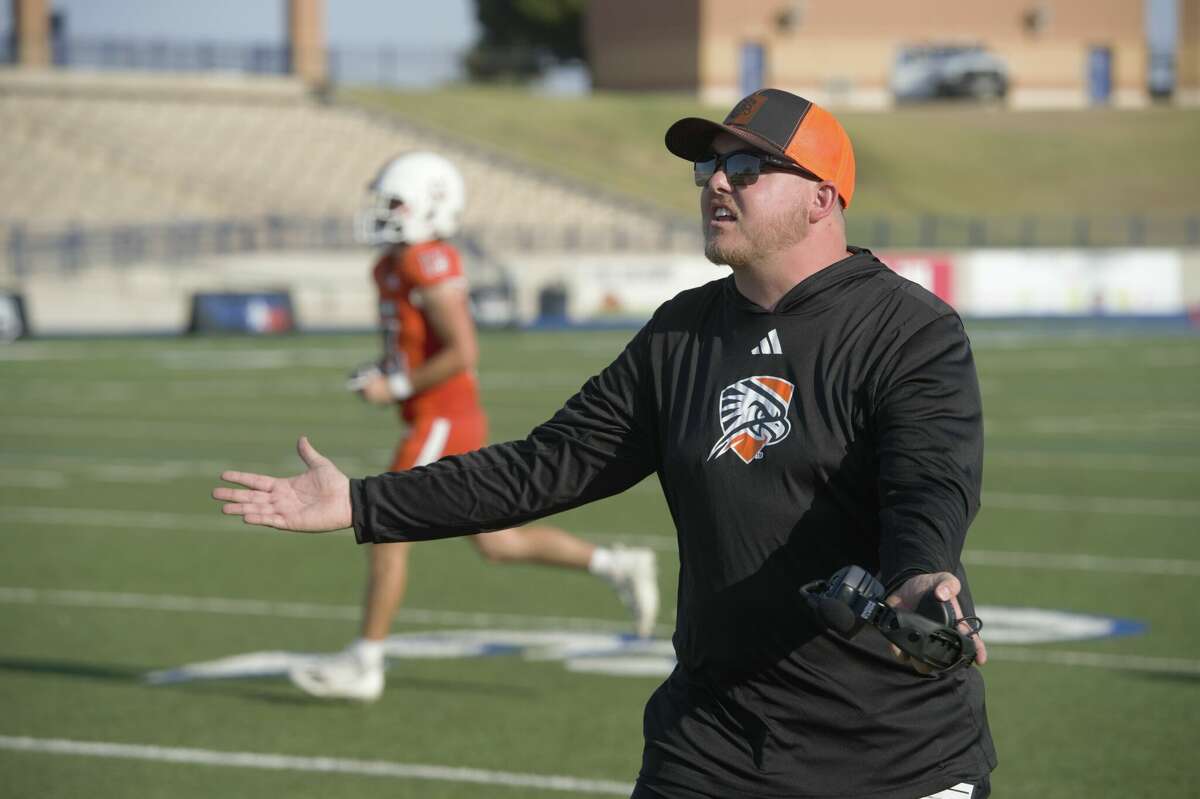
691, 139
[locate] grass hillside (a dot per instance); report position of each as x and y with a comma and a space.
937, 159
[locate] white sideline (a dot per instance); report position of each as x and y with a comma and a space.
337, 765
1100, 660
298, 610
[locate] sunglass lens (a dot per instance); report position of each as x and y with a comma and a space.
703, 170
742, 168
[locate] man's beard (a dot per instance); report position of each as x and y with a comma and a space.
771, 236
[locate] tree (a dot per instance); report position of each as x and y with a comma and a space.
521, 37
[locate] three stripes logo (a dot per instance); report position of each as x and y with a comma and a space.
753, 416
769, 345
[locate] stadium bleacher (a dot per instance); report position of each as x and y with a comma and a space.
119, 150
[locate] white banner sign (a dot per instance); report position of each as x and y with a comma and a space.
633, 286
1071, 282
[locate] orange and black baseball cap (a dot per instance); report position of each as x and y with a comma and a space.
781, 124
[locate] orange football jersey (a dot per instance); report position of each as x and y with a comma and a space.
402, 278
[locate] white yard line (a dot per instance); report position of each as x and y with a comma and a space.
133, 429
140, 519
1086, 355
1094, 460
328, 765
1133, 506
295, 610
215, 521
1095, 660
1086, 563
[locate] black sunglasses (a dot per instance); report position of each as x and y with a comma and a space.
743, 167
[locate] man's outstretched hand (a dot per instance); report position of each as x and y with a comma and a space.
313, 502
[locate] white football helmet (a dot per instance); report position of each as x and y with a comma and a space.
415, 197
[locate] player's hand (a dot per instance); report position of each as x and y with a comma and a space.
313, 502
377, 391
946, 588
361, 376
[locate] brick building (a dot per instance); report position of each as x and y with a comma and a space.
1058, 53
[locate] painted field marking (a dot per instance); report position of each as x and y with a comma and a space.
486, 621
1087, 563
1135, 462
217, 522
327, 765
49, 479
1134, 506
56, 392
296, 610
126, 429
1096, 660
1086, 356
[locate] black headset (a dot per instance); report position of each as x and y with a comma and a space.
852, 598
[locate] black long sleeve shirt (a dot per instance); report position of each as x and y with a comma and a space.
841, 427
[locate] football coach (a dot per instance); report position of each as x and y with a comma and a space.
810, 411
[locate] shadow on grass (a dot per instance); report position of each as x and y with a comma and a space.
1178, 677
278, 690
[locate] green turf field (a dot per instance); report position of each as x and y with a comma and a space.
114, 564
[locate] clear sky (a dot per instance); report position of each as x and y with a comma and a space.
416, 24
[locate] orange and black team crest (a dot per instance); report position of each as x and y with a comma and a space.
753, 416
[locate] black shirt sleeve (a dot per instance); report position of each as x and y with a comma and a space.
929, 424
601, 442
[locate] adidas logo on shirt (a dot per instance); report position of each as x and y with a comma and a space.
769, 345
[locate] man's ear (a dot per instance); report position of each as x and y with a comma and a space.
825, 201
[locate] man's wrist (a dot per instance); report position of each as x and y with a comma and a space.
400, 385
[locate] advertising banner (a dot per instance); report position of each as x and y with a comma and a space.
1142, 282
631, 287
931, 271
242, 312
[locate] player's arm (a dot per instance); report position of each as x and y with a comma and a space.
601, 442
448, 312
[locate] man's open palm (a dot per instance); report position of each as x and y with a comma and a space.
313, 502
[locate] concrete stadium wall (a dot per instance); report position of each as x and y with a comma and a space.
328, 290
333, 290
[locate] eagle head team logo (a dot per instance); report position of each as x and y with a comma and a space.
753, 416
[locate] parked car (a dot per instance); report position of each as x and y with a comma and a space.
956, 71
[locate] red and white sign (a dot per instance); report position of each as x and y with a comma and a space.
931, 271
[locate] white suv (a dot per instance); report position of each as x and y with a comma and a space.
934, 71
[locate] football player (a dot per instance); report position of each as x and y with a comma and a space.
427, 371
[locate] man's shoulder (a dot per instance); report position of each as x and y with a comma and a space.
689, 302
914, 300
